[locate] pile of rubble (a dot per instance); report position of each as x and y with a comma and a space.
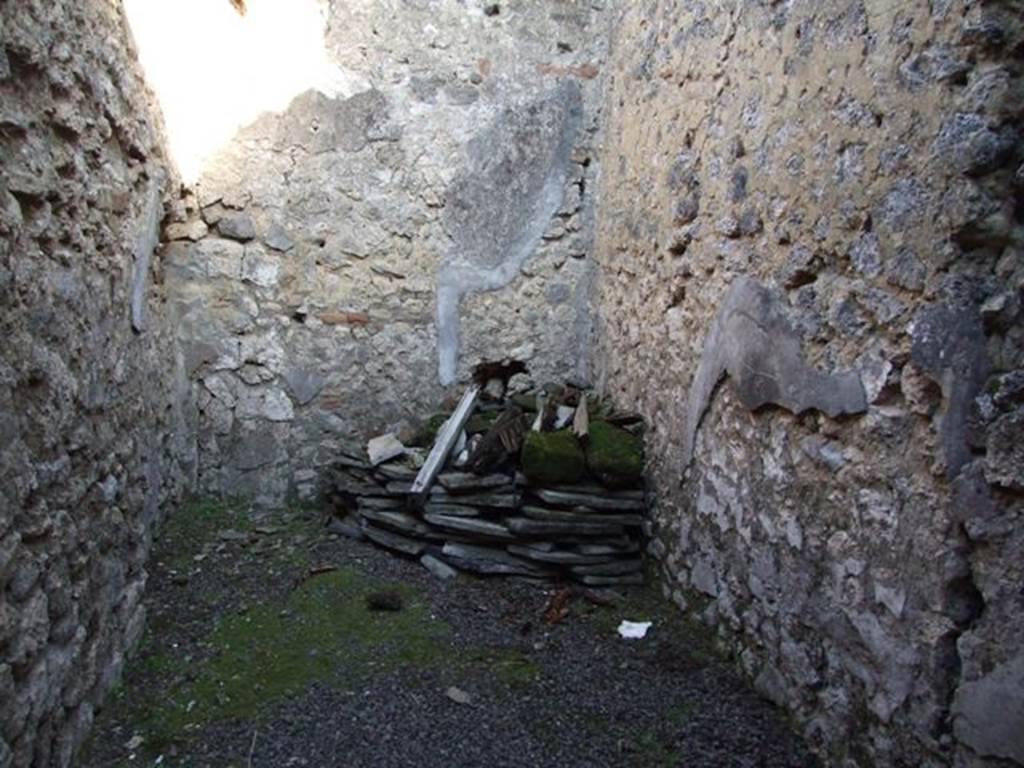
543, 484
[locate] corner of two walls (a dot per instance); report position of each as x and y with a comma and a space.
810, 283
327, 248
93, 401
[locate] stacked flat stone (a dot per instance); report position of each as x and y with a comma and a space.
495, 524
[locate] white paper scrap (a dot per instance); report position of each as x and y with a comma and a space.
634, 630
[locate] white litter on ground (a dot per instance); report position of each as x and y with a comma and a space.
634, 630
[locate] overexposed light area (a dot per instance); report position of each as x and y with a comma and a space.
215, 71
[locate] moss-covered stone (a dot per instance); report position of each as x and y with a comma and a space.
481, 422
428, 432
553, 458
614, 456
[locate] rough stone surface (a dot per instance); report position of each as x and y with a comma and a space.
94, 432
821, 201
448, 198
806, 194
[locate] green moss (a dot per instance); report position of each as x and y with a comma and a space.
508, 665
277, 649
552, 458
197, 522
527, 403
481, 422
614, 456
428, 432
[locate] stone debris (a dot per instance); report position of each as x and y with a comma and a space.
542, 505
384, 448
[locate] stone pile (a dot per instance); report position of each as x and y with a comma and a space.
556, 507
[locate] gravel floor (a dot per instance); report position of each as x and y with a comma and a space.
467, 673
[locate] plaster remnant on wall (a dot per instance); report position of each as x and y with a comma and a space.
949, 345
753, 341
146, 242
498, 209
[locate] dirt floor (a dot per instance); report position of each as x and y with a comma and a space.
272, 643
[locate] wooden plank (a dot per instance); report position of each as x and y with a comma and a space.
446, 440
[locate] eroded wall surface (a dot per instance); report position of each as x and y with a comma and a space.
342, 262
810, 275
92, 440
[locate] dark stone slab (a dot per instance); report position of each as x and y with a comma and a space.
752, 340
633, 494
401, 522
557, 556
620, 548
452, 510
438, 567
494, 500
471, 525
627, 580
395, 472
581, 515
347, 528
617, 568
359, 488
593, 501
394, 541
464, 482
353, 462
524, 526
380, 502
490, 561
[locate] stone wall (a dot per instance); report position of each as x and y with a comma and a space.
810, 282
339, 263
91, 436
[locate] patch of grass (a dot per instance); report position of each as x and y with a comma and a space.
652, 751
197, 522
277, 649
509, 666
670, 624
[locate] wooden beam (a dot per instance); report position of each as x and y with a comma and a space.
446, 439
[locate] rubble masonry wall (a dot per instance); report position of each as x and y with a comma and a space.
341, 262
93, 433
810, 282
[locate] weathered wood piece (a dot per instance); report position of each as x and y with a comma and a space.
446, 440
503, 439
